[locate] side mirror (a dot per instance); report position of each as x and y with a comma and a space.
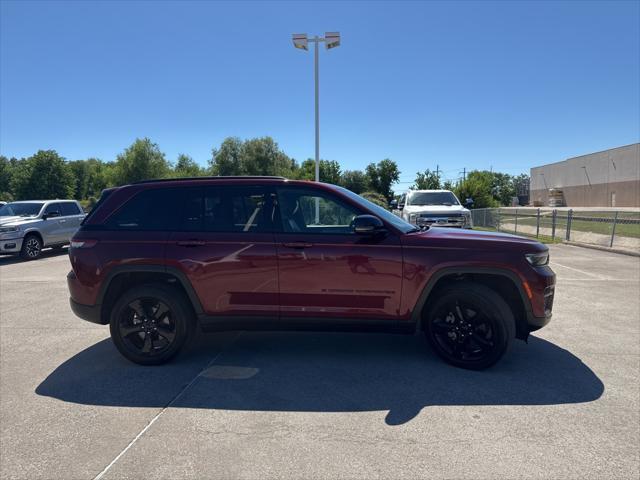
50, 215
400, 206
367, 225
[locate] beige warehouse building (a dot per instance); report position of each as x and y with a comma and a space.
610, 178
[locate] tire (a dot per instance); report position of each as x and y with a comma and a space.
150, 324
31, 247
469, 325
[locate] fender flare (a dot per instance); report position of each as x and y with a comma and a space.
416, 314
179, 276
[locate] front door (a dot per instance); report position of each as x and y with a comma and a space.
224, 244
328, 271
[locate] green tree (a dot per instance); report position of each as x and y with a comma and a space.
448, 185
377, 198
226, 160
143, 160
354, 180
329, 171
6, 172
382, 176
44, 175
478, 186
187, 167
262, 156
427, 180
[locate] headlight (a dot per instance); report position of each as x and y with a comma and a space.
538, 259
9, 229
467, 219
412, 218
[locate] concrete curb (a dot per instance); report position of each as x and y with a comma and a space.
604, 249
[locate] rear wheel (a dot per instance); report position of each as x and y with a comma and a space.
469, 325
31, 247
150, 324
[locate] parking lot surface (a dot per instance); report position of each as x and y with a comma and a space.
323, 405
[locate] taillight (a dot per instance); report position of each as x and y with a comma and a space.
83, 243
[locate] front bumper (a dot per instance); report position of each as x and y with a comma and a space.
11, 245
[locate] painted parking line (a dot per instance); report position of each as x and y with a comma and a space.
583, 272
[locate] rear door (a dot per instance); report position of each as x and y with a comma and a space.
70, 219
225, 245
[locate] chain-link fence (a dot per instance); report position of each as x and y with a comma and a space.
619, 229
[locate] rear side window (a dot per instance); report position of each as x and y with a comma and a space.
227, 209
70, 208
155, 209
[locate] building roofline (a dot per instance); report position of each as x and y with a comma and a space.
585, 155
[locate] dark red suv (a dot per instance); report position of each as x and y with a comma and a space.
161, 260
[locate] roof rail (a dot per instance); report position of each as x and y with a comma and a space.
216, 177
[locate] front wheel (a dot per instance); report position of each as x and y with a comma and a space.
150, 324
31, 247
469, 325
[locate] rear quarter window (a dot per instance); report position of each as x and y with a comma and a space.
155, 209
70, 208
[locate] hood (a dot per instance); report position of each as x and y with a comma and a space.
434, 209
15, 220
473, 239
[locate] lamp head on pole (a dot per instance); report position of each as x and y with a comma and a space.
300, 41
332, 40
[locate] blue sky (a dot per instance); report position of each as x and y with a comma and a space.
507, 85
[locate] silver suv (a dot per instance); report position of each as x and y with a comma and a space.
27, 227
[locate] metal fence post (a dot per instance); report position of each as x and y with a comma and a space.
499, 222
516, 229
484, 217
613, 229
569, 218
538, 224
554, 214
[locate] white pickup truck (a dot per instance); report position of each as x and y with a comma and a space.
27, 227
438, 208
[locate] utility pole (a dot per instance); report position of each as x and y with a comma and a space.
464, 174
438, 173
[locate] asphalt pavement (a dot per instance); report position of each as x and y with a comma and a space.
323, 405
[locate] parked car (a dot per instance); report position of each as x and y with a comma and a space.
27, 227
440, 208
161, 260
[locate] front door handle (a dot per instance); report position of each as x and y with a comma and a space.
297, 244
191, 243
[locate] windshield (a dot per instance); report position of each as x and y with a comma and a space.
21, 209
386, 215
432, 198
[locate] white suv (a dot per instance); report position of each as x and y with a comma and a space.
439, 208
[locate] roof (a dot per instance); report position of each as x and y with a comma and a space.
218, 177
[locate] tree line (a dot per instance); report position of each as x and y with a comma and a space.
46, 174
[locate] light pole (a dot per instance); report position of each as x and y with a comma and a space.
331, 40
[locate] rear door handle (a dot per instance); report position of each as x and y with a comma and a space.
297, 244
191, 243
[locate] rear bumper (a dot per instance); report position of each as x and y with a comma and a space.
90, 313
536, 323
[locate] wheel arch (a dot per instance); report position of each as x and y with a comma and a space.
123, 277
504, 282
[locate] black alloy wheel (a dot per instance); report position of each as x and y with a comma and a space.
470, 326
149, 324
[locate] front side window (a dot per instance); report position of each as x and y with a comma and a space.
308, 211
52, 208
